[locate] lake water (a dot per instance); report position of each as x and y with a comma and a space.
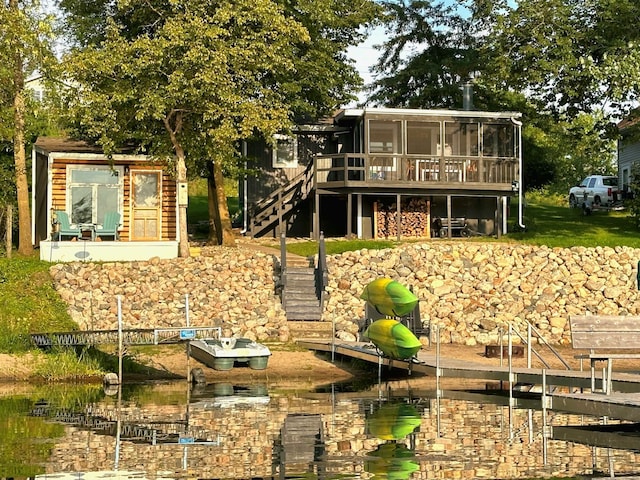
406, 429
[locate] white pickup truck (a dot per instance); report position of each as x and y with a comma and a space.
595, 190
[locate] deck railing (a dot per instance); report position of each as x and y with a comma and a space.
378, 169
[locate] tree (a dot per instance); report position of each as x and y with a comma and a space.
24, 46
429, 53
190, 79
202, 80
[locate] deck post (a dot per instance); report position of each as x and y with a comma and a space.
449, 230
349, 214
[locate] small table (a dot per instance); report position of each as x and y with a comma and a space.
87, 231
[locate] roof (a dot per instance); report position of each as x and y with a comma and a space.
48, 145
360, 112
632, 120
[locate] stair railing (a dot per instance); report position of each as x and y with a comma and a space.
321, 271
276, 203
528, 341
283, 260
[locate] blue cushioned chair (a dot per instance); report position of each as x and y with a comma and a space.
64, 226
110, 226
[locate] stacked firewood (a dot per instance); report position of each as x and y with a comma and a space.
415, 220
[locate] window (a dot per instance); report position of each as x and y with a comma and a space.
498, 140
385, 136
423, 138
285, 151
462, 138
93, 191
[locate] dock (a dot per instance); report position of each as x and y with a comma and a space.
623, 403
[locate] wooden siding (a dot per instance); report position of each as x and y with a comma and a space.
59, 193
628, 154
265, 179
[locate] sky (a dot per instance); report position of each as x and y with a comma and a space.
366, 55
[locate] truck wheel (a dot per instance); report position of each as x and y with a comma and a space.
573, 203
596, 201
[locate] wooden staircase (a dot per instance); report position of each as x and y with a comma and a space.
281, 204
302, 293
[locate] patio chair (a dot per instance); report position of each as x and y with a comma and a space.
64, 226
109, 226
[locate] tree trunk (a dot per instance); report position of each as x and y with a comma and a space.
213, 237
223, 220
25, 246
181, 178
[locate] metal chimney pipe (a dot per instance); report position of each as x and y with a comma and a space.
467, 96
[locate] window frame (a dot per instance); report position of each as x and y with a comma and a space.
117, 171
276, 159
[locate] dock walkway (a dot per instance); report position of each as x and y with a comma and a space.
623, 404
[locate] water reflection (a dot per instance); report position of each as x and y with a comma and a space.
398, 430
393, 422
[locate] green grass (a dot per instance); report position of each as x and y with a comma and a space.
28, 303
560, 226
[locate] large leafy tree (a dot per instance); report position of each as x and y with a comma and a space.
24, 47
199, 80
191, 79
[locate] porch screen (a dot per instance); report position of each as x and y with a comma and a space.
498, 140
463, 138
93, 191
423, 138
385, 136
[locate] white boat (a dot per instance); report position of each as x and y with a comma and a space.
223, 353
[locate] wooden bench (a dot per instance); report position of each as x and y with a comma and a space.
602, 333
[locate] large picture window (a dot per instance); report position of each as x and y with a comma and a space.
463, 138
93, 191
385, 136
423, 138
285, 151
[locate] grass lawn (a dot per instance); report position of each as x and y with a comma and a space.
560, 226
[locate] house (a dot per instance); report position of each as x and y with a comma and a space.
87, 207
384, 172
628, 151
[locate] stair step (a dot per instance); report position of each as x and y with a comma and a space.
309, 290
304, 298
310, 329
302, 309
304, 315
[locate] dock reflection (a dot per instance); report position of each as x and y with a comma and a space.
404, 429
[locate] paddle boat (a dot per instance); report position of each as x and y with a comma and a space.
223, 353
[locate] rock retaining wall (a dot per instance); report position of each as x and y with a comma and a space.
471, 291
